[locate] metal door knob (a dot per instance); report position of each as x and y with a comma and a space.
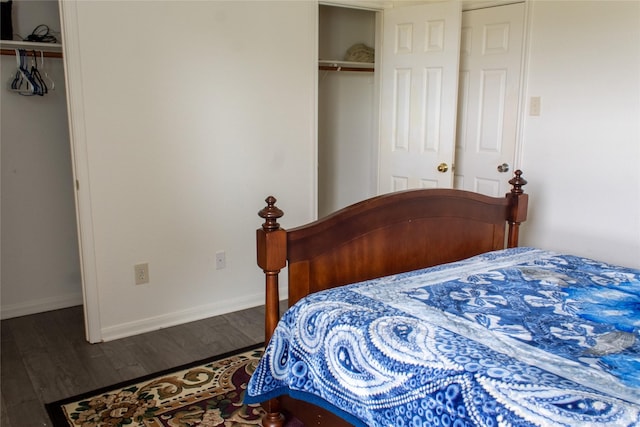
503, 168
443, 167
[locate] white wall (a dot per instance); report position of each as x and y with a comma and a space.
193, 112
40, 266
582, 154
346, 169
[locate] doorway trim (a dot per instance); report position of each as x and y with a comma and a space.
524, 84
80, 165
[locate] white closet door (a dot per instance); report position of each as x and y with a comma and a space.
490, 68
419, 93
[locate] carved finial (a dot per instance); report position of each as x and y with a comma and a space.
271, 214
517, 182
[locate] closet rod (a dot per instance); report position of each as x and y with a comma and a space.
338, 68
46, 54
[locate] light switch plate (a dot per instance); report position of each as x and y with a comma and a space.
534, 106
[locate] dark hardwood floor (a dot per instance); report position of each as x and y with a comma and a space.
45, 357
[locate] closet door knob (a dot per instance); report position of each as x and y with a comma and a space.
443, 167
503, 168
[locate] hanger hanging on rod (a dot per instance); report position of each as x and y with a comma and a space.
35, 73
27, 81
52, 84
21, 82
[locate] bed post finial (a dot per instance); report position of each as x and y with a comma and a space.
517, 182
270, 213
272, 257
518, 202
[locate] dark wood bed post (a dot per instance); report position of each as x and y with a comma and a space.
272, 257
518, 202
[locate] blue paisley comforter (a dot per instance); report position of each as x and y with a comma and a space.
520, 337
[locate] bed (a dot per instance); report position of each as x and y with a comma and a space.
419, 308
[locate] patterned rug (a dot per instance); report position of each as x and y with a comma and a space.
205, 394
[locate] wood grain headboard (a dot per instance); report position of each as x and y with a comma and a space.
384, 235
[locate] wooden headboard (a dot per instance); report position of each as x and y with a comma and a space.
384, 235
388, 234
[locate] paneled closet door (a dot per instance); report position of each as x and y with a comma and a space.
490, 73
419, 93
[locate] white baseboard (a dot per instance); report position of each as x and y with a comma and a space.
142, 325
177, 318
40, 305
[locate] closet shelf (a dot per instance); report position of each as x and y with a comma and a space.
50, 50
329, 65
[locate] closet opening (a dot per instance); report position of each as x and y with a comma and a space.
347, 107
40, 256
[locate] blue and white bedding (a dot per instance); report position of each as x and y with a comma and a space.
520, 337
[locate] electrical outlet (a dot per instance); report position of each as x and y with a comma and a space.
141, 273
221, 260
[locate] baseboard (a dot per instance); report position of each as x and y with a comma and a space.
139, 326
179, 317
40, 305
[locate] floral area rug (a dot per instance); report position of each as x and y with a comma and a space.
205, 394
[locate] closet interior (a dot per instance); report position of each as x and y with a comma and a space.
39, 255
347, 107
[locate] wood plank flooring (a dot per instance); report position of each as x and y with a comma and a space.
45, 357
